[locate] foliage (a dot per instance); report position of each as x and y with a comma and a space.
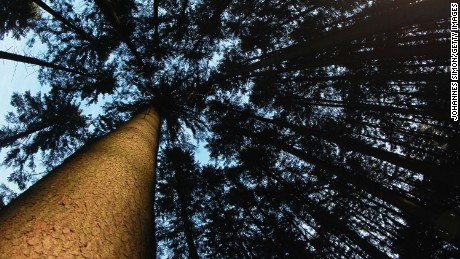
17, 17
51, 124
326, 121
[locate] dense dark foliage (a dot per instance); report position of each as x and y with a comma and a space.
327, 122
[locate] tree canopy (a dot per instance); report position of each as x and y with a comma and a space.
327, 123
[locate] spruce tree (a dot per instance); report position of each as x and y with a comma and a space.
326, 123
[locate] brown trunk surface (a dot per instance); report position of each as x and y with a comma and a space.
98, 203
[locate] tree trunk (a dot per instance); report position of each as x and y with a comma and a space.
330, 221
38, 62
188, 224
6, 139
448, 175
359, 106
60, 18
156, 24
113, 19
432, 50
99, 202
447, 224
421, 12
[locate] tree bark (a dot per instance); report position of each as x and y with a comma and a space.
98, 203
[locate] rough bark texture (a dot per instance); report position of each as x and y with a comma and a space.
98, 203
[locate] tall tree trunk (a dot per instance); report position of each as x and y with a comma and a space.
448, 175
156, 24
359, 106
99, 202
38, 62
112, 17
447, 224
188, 225
432, 50
328, 220
6, 139
60, 18
421, 12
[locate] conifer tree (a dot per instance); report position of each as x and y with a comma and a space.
326, 122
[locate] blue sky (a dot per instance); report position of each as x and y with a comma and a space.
20, 77
15, 77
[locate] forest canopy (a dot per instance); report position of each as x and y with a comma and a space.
327, 122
